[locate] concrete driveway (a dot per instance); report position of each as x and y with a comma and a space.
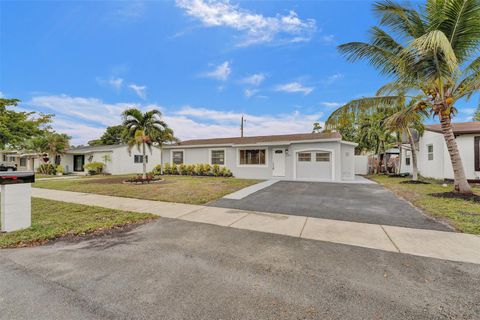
368, 203
173, 269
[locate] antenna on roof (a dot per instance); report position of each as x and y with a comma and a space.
241, 126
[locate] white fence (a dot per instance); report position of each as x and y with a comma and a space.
361, 164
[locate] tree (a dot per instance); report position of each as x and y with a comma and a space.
142, 130
164, 136
112, 135
430, 51
17, 127
380, 124
476, 116
50, 143
316, 127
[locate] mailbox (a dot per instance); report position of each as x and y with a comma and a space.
16, 177
16, 203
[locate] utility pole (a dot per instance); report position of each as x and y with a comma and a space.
241, 126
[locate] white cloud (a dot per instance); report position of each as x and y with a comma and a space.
255, 79
328, 38
333, 78
330, 104
141, 91
221, 72
294, 87
250, 92
86, 118
255, 28
1, 94
115, 83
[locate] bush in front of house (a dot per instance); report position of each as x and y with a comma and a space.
47, 169
94, 167
60, 170
200, 169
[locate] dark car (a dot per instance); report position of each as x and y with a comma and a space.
8, 167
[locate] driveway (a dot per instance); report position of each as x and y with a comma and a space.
368, 203
173, 269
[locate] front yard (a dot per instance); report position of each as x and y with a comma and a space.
464, 215
54, 219
182, 189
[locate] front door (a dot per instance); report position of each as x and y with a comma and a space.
278, 163
78, 162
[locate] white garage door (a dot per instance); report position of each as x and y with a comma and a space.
314, 165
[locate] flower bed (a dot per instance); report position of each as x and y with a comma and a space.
140, 180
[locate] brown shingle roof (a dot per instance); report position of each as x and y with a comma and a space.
458, 128
261, 139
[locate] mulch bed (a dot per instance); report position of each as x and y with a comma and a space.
454, 195
414, 182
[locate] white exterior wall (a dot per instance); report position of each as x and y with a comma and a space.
441, 166
339, 159
404, 168
122, 161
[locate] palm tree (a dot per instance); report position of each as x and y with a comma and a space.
142, 128
50, 143
431, 51
162, 137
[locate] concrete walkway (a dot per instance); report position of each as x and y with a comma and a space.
428, 243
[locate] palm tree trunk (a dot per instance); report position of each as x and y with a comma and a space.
161, 158
384, 162
398, 169
413, 148
144, 162
460, 181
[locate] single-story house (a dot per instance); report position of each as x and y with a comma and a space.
433, 157
306, 156
117, 159
22, 161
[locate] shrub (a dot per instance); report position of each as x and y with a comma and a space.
94, 167
174, 169
157, 170
208, 169
47, 168
216, 170
59, 169
191, 169
224, 172
182, 169
167, 168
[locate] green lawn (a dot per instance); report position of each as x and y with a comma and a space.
464, 215
54, 219
182, 189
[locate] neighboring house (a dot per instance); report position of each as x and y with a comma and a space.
117, 159
310, 156
433, 157
22, 161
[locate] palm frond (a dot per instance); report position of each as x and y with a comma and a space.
405, 21
380, 58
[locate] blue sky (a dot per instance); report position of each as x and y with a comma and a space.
204, 64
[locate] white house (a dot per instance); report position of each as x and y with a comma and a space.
310, 156
22, 161
433, 157
117, 159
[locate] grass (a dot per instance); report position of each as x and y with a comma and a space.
182, 189
464, 215
54, 219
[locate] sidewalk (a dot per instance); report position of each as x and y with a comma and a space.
421, 242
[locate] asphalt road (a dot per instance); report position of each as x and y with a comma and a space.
367, 203
172, 269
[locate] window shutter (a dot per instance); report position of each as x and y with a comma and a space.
476, 149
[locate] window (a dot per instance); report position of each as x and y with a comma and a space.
57, 159
4, 157
304, 157
23, 162
476, 150
407, 160
253, 157
430, 151
177, 157
139, 159
217, 157
322, 156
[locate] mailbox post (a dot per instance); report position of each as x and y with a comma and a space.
16, 204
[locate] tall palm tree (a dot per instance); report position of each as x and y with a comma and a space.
142, 128
162, 137
432, 51
50, 143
